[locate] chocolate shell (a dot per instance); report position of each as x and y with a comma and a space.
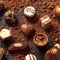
20, 47
5, 33
53, 54
27, 29
57, 11
10, 17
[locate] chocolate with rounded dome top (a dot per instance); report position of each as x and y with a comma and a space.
53, 54
19, 47
27, 29
57, 11
6, 38
30, 57
10, 17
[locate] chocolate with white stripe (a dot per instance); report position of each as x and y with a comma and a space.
29, 11
30, 57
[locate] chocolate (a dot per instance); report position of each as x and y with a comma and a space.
20, 47
57, 11
29, 11
5, 33
10, 17
40, 39
45, 21
1, 53
53, 53
27, 29
30, 57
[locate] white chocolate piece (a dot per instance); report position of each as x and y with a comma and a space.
29, 11
57, 45
4, 33
45, 20
17, 45
30, 57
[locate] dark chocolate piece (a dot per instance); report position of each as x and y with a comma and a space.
20, 47
10, 17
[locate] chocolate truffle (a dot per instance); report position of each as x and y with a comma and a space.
45, 21
20, 47
27, 29
5, 33
10, 17
29, 11
30, 57
57, 11
40, 39
53, 53
1, 53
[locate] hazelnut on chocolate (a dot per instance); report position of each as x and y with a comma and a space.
29, 11
30, 57
45, 21
27, 29
53, 53
40, 39
18, 47
5, 33
10, 17
57, 11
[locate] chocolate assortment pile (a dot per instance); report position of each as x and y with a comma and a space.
26, 24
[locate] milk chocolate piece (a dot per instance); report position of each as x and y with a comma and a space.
30, 57
27, 29
18, 47
57, 11
45, 21
40, 39
53, 53
1, 53
5, 33
10, 17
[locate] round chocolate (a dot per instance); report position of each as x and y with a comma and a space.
10, 17
53, 54
40, 39
30, 57
5, 33
29, 11
57, 11
27, 29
